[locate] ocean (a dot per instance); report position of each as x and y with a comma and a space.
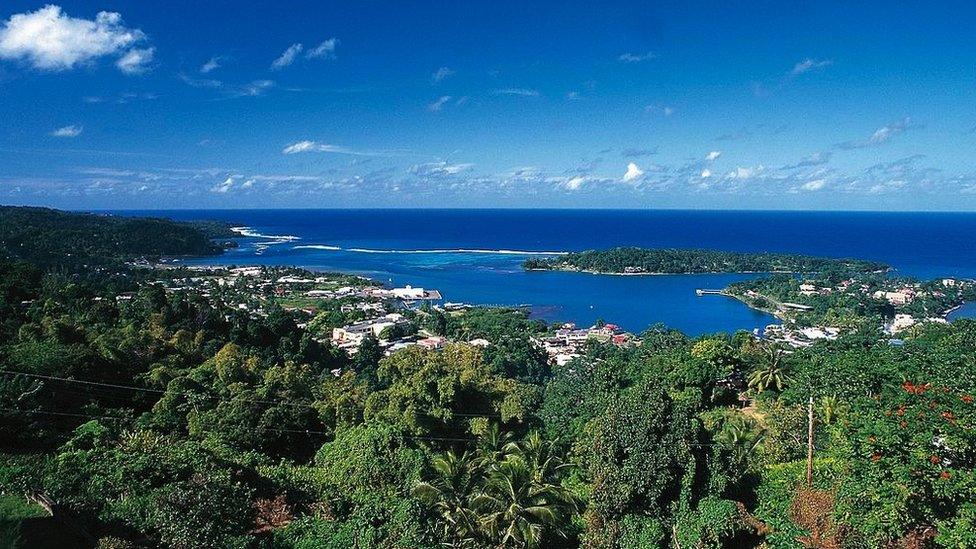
474, 256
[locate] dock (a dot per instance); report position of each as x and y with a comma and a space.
705, 291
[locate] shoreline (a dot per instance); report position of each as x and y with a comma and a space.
686, 273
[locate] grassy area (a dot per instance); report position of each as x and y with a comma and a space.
14, 507
15, 511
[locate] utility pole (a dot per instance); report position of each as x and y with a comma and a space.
810, 442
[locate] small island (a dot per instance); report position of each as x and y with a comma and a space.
647, 261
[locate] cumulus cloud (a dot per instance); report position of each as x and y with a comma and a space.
633, 172
523, 92
574, 183
636, 57
810, 64
814, 185
287, 57
713, 155
441, 73
136, 60
225, 187
438, 103
68, 131
325, 50
49, 39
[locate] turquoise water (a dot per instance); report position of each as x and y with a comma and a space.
475, 256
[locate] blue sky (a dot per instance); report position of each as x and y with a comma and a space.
744, 105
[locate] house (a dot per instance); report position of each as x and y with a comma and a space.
433, 343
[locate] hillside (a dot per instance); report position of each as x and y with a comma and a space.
45, 236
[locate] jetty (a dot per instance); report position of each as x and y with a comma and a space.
705, 291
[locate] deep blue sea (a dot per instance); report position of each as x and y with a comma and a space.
475, 256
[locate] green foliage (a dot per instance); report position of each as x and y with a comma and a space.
44, 236
644, 260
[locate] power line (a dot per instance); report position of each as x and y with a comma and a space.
188, 394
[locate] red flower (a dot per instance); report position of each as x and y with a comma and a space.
875, 457
968, 399
945, 475
934, 459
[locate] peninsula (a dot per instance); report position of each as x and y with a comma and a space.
646, 261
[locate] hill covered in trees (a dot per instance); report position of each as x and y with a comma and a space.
159, 416
45, 236
627, 260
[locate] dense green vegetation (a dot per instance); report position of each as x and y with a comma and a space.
676, 261
45, 236
167, 418
850, 302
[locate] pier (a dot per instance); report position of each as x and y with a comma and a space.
704, 291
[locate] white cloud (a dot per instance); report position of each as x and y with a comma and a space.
307, 146
438, 104
574, 183
48, 39
637, 57
713, 155
885, 133
881, 135
68, 131
211, 65
633, 172
441, 73
254, 89
706, 173
224, 187
745, 172
814, 185
433, 169
136, 60
287, 57
524, 92
325, 50
809, 64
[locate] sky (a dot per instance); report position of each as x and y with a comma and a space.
684, 104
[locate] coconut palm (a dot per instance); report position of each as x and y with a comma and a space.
518, 511
740, 436
772, 374
832, 409
495, 445
450, 493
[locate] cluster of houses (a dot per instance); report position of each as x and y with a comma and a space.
797, 336
568, 341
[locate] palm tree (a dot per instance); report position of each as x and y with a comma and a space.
833, 408
495, 445
450, 493
773, 374
741, 436
518, 511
